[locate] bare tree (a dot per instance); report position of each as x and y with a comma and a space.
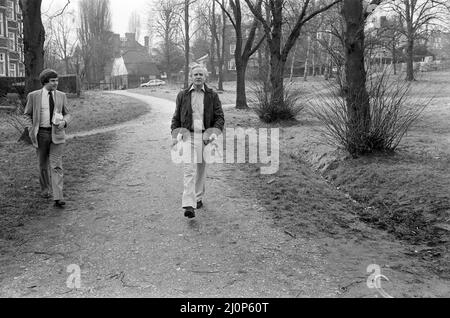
274, 33
95, 37
134, 24
166, 28
187, 4
415, 16
62, 38
243, 52
219, 41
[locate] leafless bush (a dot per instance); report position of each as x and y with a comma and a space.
269, 110
392, 112
14, 118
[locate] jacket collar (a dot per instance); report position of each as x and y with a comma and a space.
206, 89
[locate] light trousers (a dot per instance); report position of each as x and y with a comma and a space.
50, 159
194, 174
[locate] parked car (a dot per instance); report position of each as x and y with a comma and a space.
152, 83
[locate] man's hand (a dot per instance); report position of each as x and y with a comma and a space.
62, 124
176, 140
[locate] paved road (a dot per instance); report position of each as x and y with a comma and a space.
128, 235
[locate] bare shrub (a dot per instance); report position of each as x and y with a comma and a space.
392, 112
271, 111
15, 119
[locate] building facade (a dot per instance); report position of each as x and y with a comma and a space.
11, 41
131, 65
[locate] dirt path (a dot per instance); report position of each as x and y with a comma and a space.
127, 233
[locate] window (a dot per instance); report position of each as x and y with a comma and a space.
2, 64
10, 11
232, 65
12, 41
12, 70
2, 24
232, 48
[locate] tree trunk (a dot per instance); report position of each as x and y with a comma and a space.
313, 59
186, 44
276, 80
291, 75
305, 72
409, 16
328, 68
212, 50
241, 97
277, 62
394, 57
357, 98
33, 39
410, 60
222, 58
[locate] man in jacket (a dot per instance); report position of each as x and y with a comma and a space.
47, 116
198, 112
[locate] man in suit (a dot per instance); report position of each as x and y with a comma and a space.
47, 116
198, 112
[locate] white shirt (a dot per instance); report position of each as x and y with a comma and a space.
45, 109
197, 103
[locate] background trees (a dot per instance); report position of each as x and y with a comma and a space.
166, 28
415, 16
61, 41
134, 24
243, 51
95, 37
279, 43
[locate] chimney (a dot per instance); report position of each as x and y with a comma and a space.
116, 44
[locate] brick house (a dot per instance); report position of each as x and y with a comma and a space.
131, 65
11, 42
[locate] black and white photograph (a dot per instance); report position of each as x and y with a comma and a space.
228, 155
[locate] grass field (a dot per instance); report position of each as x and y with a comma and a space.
92, 110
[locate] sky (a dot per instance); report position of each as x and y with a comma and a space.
121, 11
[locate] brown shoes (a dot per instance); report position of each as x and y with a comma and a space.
199, 205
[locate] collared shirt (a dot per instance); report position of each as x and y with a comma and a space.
45, 109
197, 103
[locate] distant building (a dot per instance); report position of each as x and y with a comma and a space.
439, 44
11, 42
131, 65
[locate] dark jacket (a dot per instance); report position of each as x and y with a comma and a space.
212, 115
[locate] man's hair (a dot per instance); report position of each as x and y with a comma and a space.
199, 66
46, 75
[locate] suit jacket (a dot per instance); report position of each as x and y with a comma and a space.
33, 115
213, 116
